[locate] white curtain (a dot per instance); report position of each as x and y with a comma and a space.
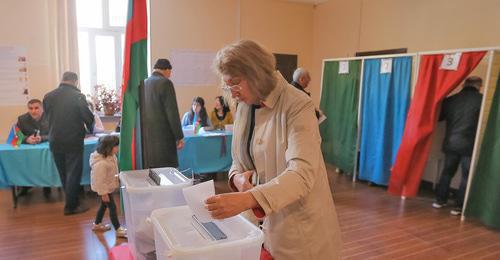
62, 17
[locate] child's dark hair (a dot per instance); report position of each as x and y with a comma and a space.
106, 144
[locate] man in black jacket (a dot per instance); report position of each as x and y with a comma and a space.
68, 113
461, 112
33, 124
161, 131
301, 79
35, 128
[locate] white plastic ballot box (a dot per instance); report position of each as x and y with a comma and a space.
144, 191
179, 236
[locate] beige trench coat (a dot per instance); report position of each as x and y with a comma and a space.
301, 221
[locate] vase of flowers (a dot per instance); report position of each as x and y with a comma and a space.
106, 100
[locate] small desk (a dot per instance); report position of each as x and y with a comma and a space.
33, 165
206, 153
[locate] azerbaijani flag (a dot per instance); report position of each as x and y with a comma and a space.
16, 137
134, 72
197, 127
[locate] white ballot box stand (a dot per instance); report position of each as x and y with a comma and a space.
141, 195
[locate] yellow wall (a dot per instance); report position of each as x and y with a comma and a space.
343, 27
336, 28
35, 35
196, 25
280, 26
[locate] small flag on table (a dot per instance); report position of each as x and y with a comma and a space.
16, 137
197, 127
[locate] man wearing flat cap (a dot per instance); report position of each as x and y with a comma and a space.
160, 121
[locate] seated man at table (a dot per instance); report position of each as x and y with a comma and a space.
35, 128
33, 124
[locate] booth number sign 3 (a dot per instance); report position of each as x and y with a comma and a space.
451, 61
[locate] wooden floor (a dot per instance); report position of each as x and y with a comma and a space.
374, 226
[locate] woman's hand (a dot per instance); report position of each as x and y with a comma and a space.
230, 204
242, 181
105, 198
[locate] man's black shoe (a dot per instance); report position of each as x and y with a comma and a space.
77, 210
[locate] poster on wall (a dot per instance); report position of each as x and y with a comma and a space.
13, 76
192, 68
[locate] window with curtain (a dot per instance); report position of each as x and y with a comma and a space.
101, 30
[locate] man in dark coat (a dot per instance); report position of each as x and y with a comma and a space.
35, 128
301, 79
161, 125
68, 113
33, 124
461, 112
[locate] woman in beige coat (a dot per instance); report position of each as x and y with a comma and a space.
277, 162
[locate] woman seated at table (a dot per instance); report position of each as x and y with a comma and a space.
197, 114
221, 115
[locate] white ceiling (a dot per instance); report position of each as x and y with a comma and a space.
313, 2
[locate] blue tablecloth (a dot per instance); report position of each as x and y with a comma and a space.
33, 165
206, 153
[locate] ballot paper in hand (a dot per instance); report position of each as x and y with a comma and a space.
195, 197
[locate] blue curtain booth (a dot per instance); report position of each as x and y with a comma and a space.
386, 97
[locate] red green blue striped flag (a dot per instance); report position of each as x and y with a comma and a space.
134, 72
197, 127
15, 137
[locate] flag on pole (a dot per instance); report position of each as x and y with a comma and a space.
134, 72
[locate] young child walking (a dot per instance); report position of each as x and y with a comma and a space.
104, 180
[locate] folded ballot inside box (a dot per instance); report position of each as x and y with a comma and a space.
189, 232
144, 191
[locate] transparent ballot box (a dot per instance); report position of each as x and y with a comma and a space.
180, 236
144, 191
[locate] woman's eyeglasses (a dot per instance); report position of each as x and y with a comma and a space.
235, 88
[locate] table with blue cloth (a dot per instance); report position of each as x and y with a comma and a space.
209, 152
33, 165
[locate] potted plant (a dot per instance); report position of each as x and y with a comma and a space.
106, 100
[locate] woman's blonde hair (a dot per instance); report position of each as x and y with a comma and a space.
250, 61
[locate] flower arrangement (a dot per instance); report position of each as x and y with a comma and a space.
106, 100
